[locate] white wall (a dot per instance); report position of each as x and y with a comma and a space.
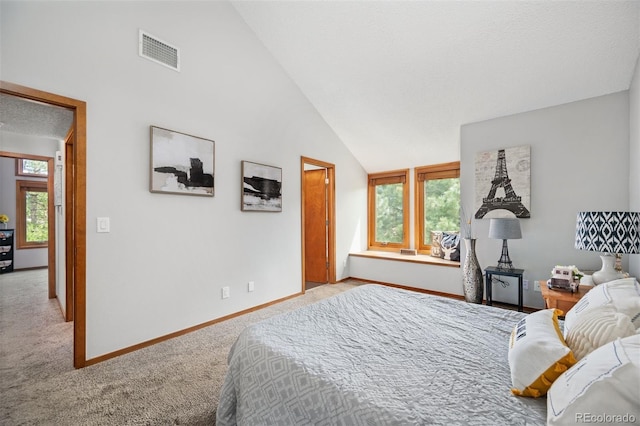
162, 266
579, 162
634, 158
444, 279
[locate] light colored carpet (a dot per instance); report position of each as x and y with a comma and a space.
174, 382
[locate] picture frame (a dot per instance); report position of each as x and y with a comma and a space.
181, 163
261, 187
503, 183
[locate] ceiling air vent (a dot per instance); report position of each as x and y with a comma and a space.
156, 50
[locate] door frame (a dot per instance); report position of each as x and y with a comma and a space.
331, 214
75, 208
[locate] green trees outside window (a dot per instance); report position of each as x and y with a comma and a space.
389, 213
436, 203
32, 213
388, 198
36, 216
441, 206
28, 167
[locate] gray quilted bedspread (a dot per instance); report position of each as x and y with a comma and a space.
376, 355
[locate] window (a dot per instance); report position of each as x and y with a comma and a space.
388, 208
30, 167
437, 202
32, 203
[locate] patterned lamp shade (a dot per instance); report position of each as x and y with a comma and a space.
608, 232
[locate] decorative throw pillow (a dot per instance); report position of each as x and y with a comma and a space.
596, 327
623, 295
436, 238
538, 353
601, 388
450, 246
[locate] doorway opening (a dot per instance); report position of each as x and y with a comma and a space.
75, 209
318, 222
40, 183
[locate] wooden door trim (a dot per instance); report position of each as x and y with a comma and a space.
74, 206
68, 224
331, 212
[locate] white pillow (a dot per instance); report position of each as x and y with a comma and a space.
538, 353
623, 295
596, 327
602, 388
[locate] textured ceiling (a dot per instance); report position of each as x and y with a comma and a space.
27, 117
396, 79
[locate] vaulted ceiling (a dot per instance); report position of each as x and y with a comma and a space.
396, 79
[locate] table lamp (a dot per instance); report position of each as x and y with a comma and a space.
505, 229
610, 233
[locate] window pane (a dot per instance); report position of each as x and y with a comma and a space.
34, 167
389, 213
36, 216
441, 206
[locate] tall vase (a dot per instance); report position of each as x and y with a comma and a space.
472, 274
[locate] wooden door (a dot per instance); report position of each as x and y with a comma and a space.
315, 237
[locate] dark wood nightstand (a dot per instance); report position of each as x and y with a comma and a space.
563, 300
490, 271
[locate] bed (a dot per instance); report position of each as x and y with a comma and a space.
376, 355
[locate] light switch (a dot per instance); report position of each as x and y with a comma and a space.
103, 224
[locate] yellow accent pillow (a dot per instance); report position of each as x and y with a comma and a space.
538, 354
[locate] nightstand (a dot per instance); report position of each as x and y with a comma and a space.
490, 271
563, 300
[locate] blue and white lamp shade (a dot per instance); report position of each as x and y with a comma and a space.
608, 232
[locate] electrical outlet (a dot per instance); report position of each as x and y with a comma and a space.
225, 292
525, 284
251, 286
536, 286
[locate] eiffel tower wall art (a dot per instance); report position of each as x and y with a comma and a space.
503, 183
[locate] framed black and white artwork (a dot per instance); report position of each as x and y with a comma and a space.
261, 187
181, 163
503, 183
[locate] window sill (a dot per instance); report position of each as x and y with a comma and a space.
420, 258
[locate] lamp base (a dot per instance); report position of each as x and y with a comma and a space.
608, 271
505, 266
504, 263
